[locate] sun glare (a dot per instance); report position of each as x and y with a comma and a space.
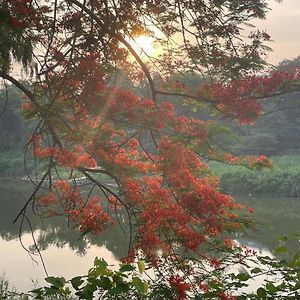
144, 45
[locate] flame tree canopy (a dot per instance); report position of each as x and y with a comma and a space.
140, 153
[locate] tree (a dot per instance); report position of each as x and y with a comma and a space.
289, 65
90, 124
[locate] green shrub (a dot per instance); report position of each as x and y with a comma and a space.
282, 180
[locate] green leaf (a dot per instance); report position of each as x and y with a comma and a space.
126, 268
243, 276
117, 277
37, 291
100, 268
283, 238
76, 282
141, 266
296, 256
261, 293
256, 270
295, 236
57, 282
105, 283
119, 289
280, 250
51, 291
88, 292
100, 263
215, 285
271, 287
94, 281
146, 287
66, 291
140, 285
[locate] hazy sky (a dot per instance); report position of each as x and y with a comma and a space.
283, 24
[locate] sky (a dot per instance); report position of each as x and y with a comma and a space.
283, 24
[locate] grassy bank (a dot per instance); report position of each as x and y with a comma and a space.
282, 180
12, 163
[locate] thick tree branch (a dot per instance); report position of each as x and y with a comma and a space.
31, 96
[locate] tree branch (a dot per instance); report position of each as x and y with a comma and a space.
31, 96
123, 41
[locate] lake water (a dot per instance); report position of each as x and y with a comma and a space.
66, 254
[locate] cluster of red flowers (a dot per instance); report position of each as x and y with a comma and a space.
91, 217
180, 286
237, 98
24, 15
64, 157
252, 162
88, 216
171, 192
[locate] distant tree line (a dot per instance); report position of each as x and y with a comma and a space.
276, 132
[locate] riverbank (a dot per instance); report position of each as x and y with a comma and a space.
282, 180
12, 163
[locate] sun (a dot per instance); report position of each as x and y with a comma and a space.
144, 46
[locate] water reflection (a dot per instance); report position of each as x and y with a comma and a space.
53, 231
66, 254
274, 217
24, 273
64, 251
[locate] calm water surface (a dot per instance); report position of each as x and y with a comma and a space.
66, 254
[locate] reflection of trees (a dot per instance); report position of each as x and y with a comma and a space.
274, 217
12, 195
279, 213
53, 231
56, 232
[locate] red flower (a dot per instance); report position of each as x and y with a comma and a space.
26, 106
15, 23
251, 210
215, 262
181, 287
